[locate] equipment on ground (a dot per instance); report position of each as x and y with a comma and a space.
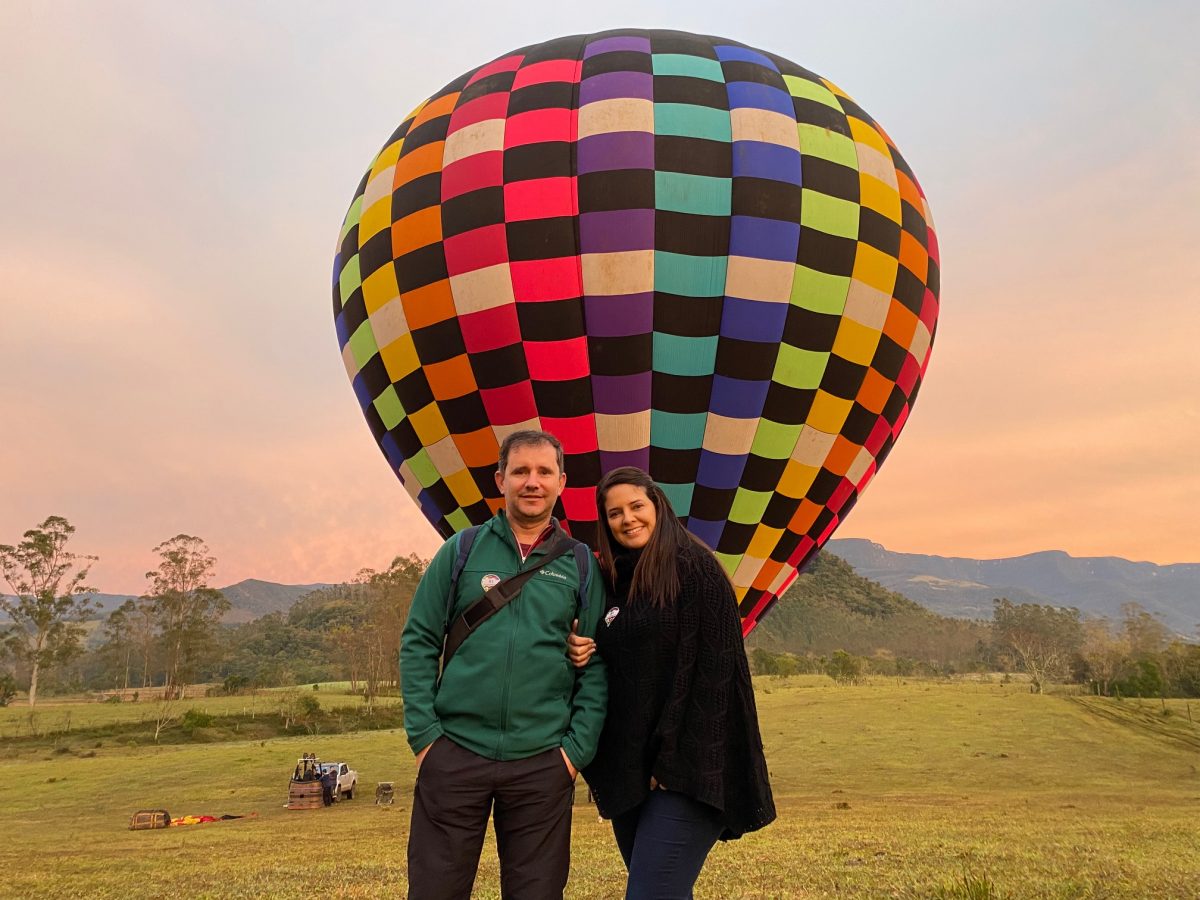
305, 790
149, 818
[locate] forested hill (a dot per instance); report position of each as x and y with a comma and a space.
248, 599
1096, 586
831, 608
252, 598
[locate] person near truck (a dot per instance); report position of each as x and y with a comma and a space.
329, 783
511, 722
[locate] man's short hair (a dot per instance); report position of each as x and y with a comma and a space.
530, 438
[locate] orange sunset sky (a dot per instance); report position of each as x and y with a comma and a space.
173, 178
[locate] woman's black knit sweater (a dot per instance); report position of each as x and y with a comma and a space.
680, 702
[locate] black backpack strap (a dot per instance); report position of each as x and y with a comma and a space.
497, 597
583, 562
463, 542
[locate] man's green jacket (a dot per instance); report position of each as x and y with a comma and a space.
510, 692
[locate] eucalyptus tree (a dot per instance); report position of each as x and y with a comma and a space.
49, 602
1042, 640
187, 608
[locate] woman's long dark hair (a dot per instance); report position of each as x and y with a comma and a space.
656, 578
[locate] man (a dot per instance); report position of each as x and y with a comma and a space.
511, 722
328, 784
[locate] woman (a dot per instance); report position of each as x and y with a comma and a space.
680, 762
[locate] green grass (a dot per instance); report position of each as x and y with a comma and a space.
78, 722
901, 790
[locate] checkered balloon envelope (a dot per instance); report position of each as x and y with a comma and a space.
672, 251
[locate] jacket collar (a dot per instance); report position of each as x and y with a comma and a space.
500, 525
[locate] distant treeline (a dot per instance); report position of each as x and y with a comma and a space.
344, 632
833, 621
830, 621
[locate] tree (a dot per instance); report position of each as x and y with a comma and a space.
48, 581
1040, 639
1182, 664
786, 664
1145, 634
1104, 655
762, 661
390, 595
131, 638
297, 708
166, 713
118, 647
141, 619
365, 622
186, 608
1145, 679
844, 668
8, 688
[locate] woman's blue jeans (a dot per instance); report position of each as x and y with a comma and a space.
664, 843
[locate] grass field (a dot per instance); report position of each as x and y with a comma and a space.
904, 790
58, 722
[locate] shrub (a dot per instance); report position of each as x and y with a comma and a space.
1146, 680
844, 668
881, 664
298, 708
8, 689
196, 718
785, 665
762, 661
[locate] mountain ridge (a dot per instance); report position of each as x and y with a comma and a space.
249, 599
1096, 585
962, 587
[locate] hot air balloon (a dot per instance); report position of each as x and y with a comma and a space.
671, 251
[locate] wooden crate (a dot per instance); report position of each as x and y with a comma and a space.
304, 795
149, 818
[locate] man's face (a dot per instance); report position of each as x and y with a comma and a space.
531, 483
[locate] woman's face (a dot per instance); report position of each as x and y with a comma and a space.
631, 515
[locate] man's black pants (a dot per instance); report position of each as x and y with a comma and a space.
454, 794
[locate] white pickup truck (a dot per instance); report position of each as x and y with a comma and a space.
347, 779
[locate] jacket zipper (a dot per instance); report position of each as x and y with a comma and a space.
515, 606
